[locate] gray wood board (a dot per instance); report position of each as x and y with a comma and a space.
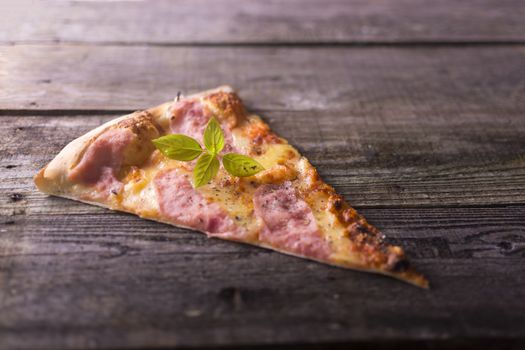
416, 82
373, 161
78, 276
428, 142
259, 22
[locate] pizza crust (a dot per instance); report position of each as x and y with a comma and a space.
52, 179
361, 243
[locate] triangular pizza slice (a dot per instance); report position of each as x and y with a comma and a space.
286, 207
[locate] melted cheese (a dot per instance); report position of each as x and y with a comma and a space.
140, 194
332, 229
235, 195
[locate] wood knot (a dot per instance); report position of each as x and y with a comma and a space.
16, 197
505, 245
232, 296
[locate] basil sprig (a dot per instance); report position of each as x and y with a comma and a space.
240, 165
179, 147
184, 148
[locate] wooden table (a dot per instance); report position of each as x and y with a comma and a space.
414, 111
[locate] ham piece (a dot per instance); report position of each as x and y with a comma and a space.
289, 224
183, 205
189, 117
102, 160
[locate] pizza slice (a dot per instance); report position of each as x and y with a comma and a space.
282, 205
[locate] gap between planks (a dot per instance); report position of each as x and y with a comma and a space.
372, 169
286, 44
28, 112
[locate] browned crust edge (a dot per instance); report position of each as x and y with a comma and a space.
51, 178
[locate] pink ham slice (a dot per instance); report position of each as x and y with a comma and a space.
183, 205
189, 117
102, 160
289, 224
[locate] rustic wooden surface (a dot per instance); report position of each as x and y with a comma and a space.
423, 131
291, 22
408, 81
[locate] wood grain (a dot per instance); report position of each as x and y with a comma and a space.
88, 277
413, 111
416, 82
261, 22
374, 161
79, 276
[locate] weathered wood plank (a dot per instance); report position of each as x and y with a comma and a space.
374, 161
76, 276
95, 278
229, 21
427, 233
389, 82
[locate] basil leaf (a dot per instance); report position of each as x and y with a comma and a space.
206, 168
240, 165
179, 147
213, 137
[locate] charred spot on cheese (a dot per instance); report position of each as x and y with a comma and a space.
335, 203
141, 123
259, 133
227, 106
349, 215
360, 231
369, 241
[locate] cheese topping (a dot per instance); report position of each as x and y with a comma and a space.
286, 207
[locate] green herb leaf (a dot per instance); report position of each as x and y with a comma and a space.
185, 148
179, 147
240, 165
206, 168
213, 137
